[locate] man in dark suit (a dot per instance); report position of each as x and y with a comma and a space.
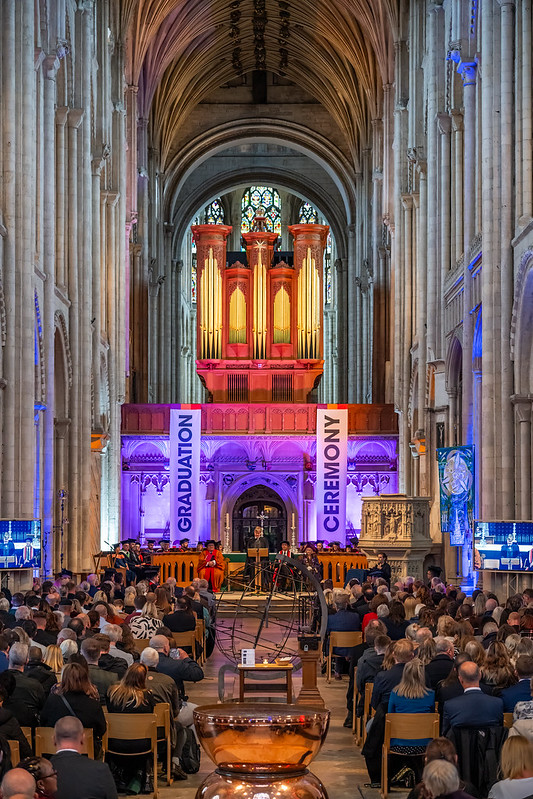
441, 665
473, 708
521, 692
92, 778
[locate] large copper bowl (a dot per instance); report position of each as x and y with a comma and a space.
261, 738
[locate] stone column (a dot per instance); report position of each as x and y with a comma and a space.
49, 67
444, 128
522, 414
61, 199
507, 144
9, 167
457, 221
350, 299
467, 69
488, 421
24, 232
524, 173
74, 217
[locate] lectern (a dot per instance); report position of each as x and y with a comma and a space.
256, 553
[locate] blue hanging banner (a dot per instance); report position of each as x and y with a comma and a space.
456, 483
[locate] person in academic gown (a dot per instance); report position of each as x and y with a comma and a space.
211, 566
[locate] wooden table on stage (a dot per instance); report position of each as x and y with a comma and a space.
265, 687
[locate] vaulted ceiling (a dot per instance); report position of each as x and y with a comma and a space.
338, 52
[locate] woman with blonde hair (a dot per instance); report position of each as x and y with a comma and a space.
447, 627
53, 657
412, 695
410, 607
427, 651
516, 765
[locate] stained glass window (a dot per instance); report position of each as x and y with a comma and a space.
308, 215
214, 213
193, 264
269, 199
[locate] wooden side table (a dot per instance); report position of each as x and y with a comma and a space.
262, 687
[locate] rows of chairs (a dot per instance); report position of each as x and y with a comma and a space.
195, 640
397, 725
341, 640
122, 726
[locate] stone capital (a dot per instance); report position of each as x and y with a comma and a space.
457, 121
62, 426
503, 3
111, 197
467, 70
522, 407
407, 201
50, 65
61, 115
444, 124
74, 118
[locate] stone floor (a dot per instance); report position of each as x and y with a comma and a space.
339, 764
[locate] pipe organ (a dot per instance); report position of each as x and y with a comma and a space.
259, 323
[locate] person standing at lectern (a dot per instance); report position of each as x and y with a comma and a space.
211, 566
258, 541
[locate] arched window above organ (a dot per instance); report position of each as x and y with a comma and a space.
268, 199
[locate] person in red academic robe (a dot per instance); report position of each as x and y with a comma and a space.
211, 566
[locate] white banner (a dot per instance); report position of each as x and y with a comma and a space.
185, 444
331, 468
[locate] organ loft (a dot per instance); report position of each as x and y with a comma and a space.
259, 317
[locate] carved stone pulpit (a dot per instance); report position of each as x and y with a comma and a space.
399, 526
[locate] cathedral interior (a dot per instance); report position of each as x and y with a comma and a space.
403, 130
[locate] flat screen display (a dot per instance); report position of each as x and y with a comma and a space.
504, 546
20, 544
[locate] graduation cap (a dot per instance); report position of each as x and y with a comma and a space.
183, 540
66, 573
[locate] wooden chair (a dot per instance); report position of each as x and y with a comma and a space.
44, 742
131, 727
14, 748
340, 639
187, 639
140, 644
508, 720
200, 639
162, 715
367, 708
410, 726
28, 734
354, 706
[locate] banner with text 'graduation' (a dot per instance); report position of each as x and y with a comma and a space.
331, 468
185, 444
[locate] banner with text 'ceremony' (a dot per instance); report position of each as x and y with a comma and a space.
331, 469
185, 445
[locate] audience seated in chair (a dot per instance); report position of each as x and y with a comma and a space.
92, 778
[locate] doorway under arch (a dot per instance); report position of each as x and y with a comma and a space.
259, 506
